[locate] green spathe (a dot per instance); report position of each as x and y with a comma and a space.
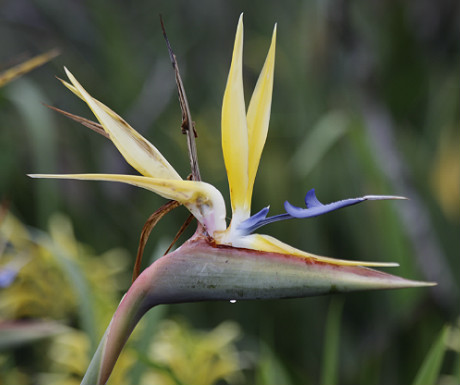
200, 270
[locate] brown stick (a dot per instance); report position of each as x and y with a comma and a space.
147, 229
86, 122
180, 232
187, 125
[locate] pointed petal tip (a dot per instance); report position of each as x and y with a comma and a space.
387, 264
235, 131
240, 26
72, 78
42, 175
424, 284
69, 75
395, 282
384, 197
60, 79
365, 278
240, 23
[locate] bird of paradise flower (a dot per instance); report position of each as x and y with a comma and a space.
221, 262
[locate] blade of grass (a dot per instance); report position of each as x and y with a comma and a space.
270, 370
429, 371
330, 369
320, 139
40, 131
27, 66
79, 284
457, 369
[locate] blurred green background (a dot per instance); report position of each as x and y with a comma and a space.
366, 101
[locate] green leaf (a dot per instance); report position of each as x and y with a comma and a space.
41, 131
429, 371
326, 132
270, 370
330, 368
78, 280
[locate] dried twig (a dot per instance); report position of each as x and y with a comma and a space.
180, 232
147, 229
187, 125
96, 127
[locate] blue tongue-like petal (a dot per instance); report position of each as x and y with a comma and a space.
314, 208
311, 200
254, 220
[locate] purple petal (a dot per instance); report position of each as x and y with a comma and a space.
315, 207
7, 276
311, 200
252, 222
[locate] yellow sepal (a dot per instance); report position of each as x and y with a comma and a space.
234, 130
267, 243
258, 116
137, 150
203, 200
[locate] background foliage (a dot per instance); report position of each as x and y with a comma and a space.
366, 101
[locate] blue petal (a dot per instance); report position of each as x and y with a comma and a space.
315, 207
250, 224
7, 276
311, 200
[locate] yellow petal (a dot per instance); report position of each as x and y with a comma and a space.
270, 244
234, 130
19, 70
203, 200
137, 150
259, 116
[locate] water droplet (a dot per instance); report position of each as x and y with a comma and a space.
233, 301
